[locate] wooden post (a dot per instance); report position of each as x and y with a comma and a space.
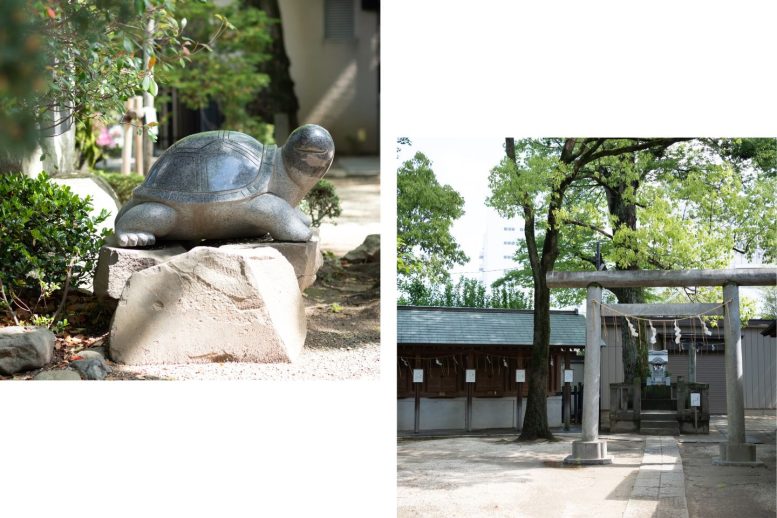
417, 415
566, 394
692, 363
126, 150
137, 103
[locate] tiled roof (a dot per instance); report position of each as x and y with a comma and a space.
471, 326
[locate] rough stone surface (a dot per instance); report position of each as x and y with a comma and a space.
305, 258
24, 348
211, 305
115, 265
91, 369
58, 375
367, 252
91, 354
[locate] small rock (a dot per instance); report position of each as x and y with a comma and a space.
92, 369
58, 375
24, 348
367, 252
92, 354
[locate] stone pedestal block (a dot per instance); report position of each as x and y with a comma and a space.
589, 452
211, 305
24, 348
305, 258
737, 454
115, 265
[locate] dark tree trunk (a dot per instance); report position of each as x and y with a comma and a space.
535, 423
634, 356
279, 96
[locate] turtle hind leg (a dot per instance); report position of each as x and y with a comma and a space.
280, 219
144, 223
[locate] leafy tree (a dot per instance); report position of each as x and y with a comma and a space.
534, 179
278, 97
79, 60
229, 75
769, 309
470, 293
686, 205
426, 250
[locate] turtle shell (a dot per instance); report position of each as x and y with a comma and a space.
210, 166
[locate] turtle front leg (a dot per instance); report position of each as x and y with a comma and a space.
281, 220
144, 223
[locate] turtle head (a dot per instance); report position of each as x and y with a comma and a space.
307, 155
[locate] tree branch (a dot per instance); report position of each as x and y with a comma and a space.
588, 225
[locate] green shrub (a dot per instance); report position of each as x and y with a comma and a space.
322, 202
47, 236
122, 184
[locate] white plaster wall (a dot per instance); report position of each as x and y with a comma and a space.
336, 82
493, 413
443, 413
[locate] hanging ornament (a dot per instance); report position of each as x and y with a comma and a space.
677, 333
438, 362
653, 333
704, 327
504, 362
404, 361
631, 328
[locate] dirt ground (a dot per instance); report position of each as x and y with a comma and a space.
496, 476
725, 491
486, 476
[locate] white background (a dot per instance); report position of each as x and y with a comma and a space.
449, 69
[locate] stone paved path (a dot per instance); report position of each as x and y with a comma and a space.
659, 490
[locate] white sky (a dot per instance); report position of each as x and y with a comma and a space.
464, 165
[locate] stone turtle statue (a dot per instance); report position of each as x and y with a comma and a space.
225, 184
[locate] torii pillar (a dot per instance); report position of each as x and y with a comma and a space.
735, 451
590, 449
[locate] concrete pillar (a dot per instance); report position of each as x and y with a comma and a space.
592, 366
734, 450
590, 449
692, 363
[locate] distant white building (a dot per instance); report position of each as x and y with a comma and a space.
497, 254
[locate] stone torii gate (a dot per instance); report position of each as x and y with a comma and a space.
593, 450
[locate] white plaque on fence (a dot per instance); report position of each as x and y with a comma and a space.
695, 399
567, 375
520, 375
470, 376
418, 375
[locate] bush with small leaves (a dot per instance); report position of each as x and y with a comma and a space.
322, 202
48, 243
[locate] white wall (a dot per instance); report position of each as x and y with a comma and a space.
336, 82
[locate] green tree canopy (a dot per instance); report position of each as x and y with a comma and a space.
426, 250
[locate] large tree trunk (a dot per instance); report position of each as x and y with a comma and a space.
278, 103
535, 423
634, 349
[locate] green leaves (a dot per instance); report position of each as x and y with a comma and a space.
425, 212
43, 229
